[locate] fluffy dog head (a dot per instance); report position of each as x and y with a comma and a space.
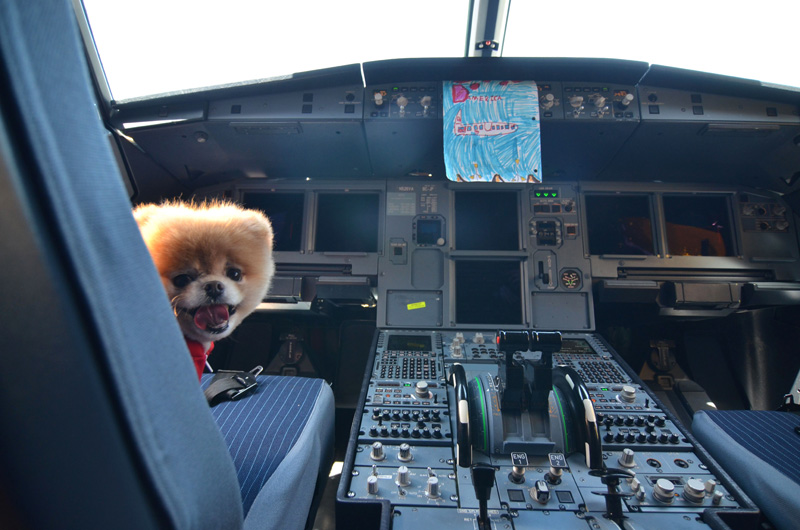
214, 259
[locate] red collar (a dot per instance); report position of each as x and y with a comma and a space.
199, 354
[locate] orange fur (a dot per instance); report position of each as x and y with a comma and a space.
205, 240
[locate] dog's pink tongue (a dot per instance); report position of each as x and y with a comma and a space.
211, 316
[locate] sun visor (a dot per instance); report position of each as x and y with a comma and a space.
491, 131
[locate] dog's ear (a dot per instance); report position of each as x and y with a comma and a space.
143, 212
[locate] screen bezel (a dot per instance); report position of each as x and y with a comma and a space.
732, 233
654, 224
458, 286
298, 193
489, 243
375, 246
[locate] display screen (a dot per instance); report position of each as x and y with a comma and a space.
576, 346
698, 225
409, 343
486, 220
285, 212
488, 292
429, 231
620, 225
347, 222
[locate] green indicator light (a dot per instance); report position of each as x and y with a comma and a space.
407, 384
546, 194
604, 389
554, 194
538, 193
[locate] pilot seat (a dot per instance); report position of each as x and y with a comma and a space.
104, 424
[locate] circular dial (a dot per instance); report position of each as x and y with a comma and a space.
571, 279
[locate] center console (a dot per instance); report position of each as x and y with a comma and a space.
496, 429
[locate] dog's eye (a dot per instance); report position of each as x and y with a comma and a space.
182, 280
234, 274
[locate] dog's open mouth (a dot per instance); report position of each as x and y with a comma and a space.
213, 318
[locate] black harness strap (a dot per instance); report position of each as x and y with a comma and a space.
231, 386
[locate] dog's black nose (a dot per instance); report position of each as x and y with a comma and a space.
214, 289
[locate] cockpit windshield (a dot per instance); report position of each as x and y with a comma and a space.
165, 46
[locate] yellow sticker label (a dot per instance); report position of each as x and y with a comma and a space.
417, 305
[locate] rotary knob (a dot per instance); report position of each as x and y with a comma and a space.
403, 476
377, 453
372, 485
626, 459
421, 389
628, 394
716, 497
432, 488
626, 100
664, 491
540, 492
694, 491
404, 455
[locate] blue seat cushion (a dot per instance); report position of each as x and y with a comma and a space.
761, 451
263, 429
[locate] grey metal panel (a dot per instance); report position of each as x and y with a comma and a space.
414, 308
427, 268
560, 311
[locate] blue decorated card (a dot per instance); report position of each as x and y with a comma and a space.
491, 131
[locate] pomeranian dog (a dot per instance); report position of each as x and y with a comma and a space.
215, 261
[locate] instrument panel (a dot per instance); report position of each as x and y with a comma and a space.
467, 255
405, 464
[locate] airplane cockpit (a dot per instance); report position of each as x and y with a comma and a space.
510, 291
